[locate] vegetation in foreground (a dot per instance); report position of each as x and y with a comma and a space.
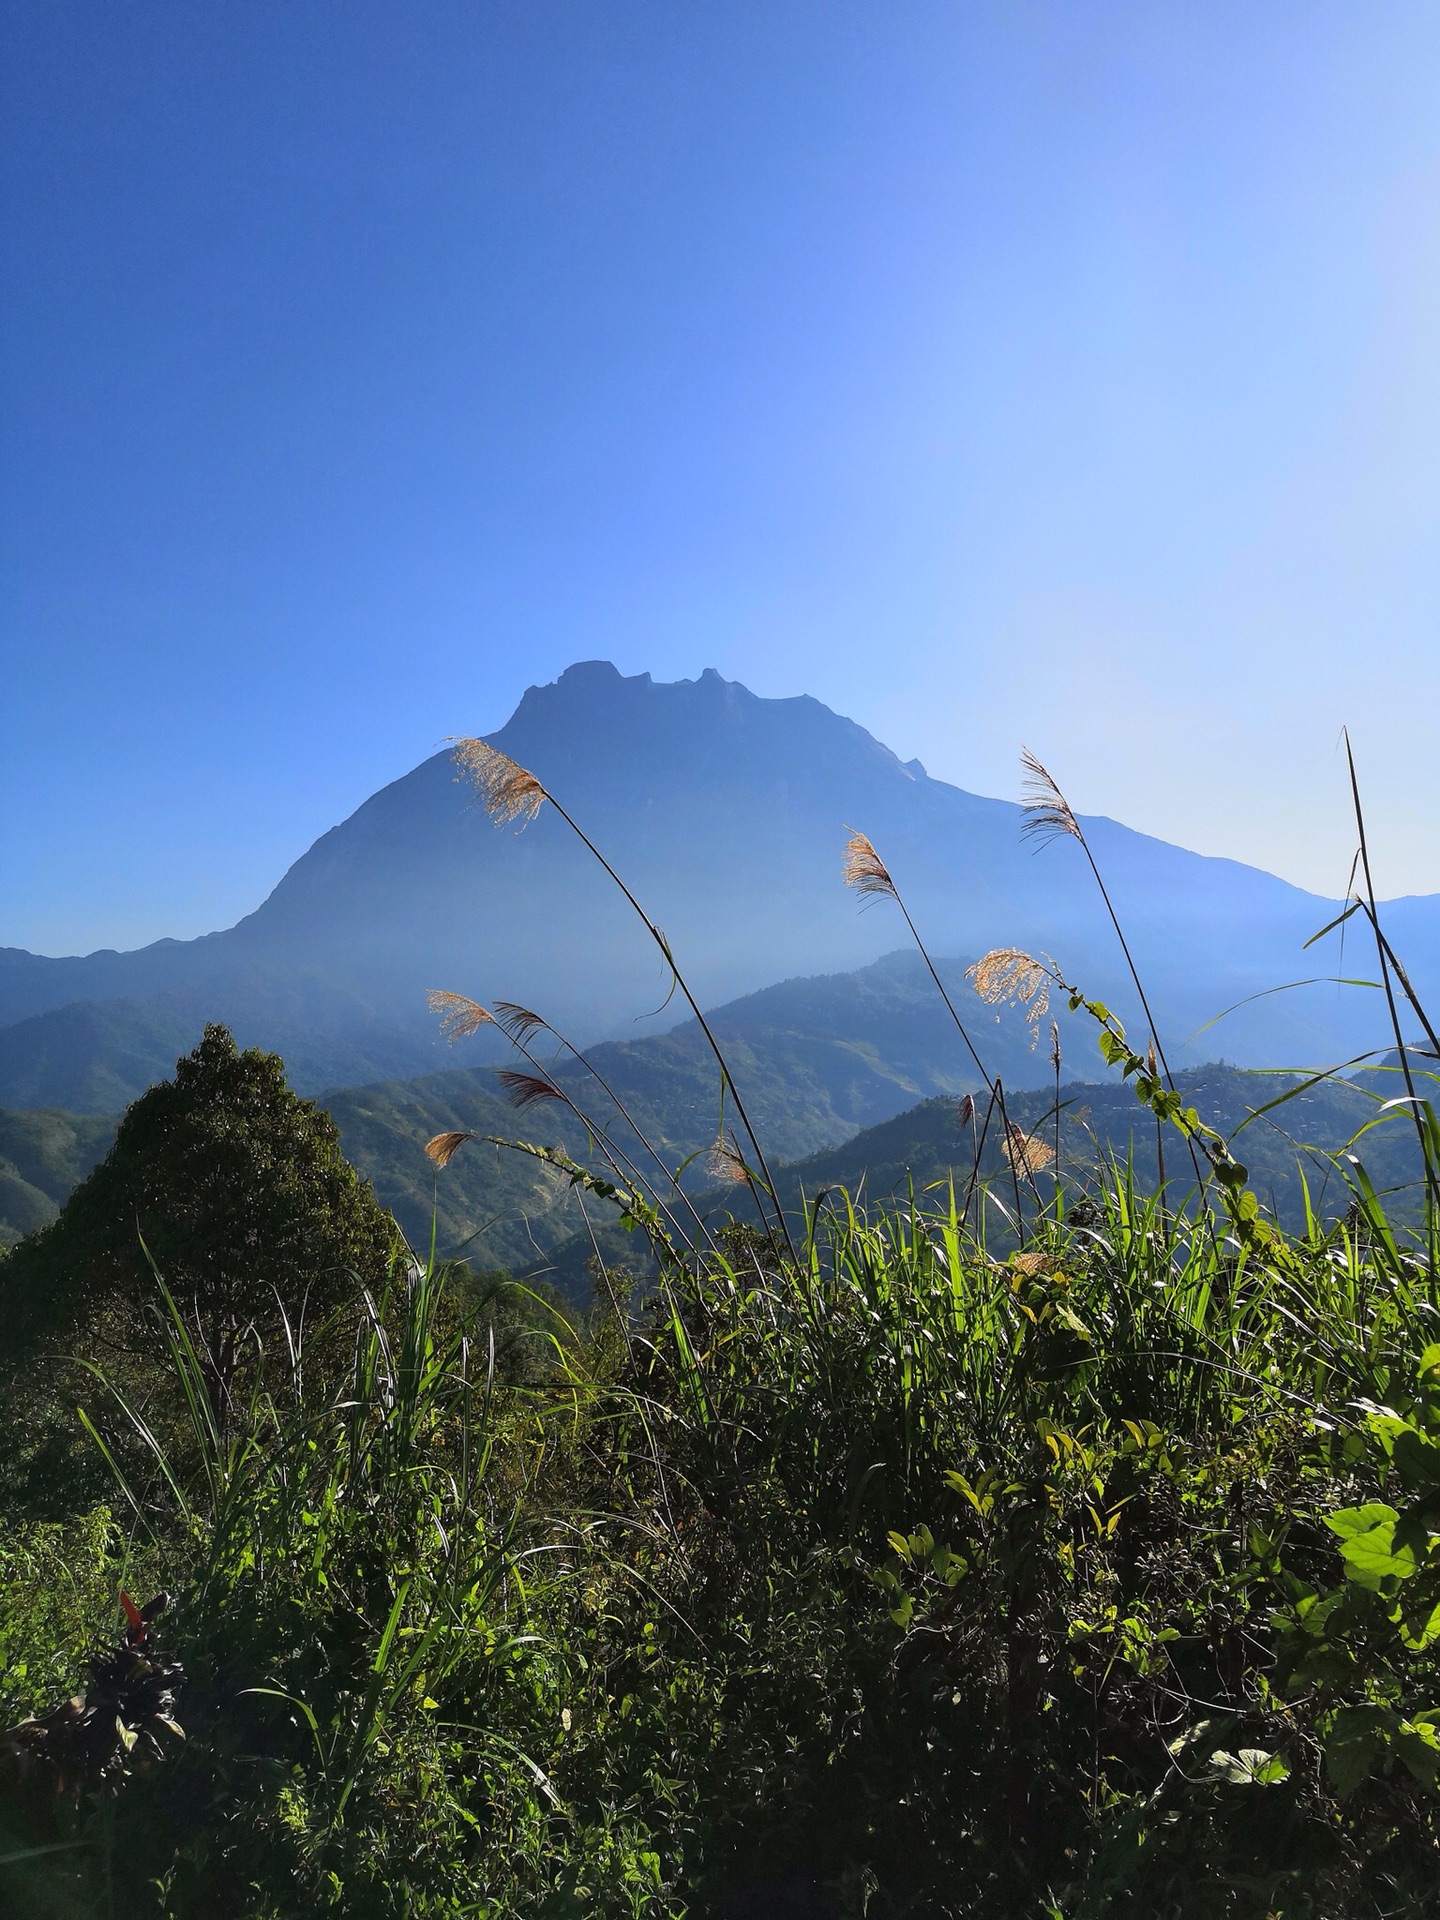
859, 1570
1099, 1581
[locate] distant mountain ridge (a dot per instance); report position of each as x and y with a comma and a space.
43, 1157
726, 813
817, 1059
851, 1079
1304, 1143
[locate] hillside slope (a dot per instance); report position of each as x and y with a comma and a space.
816, 1059
927, 1146
43, 1157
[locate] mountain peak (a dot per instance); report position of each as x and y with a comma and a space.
589, 680
583, 676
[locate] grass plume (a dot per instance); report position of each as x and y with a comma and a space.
460, 1016
508, 791
1046, 812
443, 1147
725, 1164
862, 868
520, 1023
1011, 977
525, 1089
1027, 1152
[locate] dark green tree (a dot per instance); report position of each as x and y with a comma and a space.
238, 1192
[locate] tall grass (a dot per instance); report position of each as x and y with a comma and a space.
900, 1565
349, 1553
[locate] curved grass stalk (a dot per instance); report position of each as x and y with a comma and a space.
512, 793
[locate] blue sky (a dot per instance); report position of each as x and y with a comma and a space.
1066, 373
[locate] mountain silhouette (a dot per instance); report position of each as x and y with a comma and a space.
727, 814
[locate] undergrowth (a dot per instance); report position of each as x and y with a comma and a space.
1100, 1579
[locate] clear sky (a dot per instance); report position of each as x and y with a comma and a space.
1060, 372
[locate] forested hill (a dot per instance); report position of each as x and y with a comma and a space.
502, 1208
43, 1156
1294, 1145
817, 1060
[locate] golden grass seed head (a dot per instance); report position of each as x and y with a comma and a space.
443, 1148
459, 1015
1027, 1152
1010, 976
725, 1163
864, 870
507, 790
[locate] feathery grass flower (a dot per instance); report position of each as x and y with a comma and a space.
524, 1089
1027, 1152
1046, 810
1015, 978
459, 1016
519, 1022
507, 791
724, 1162
864, 870
443, 1148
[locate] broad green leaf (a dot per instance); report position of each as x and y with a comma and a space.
1418, 1746
1349, 1521
1111, 1049
1072, 1321
1251, 1767
1417, 1457
1373, 1557
1419, 1627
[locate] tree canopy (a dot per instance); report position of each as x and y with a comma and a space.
236, 1189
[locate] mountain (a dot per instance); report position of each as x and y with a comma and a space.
726, 813
43, 1158
816, 1059
926, 1145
